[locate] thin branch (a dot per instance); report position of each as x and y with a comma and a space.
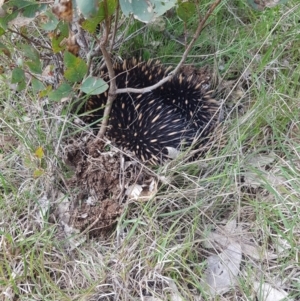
35, 42
112, 91
184, 56
115, 29
113, 86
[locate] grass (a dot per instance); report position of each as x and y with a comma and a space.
158, 250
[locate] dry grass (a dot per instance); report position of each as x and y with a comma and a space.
160, 246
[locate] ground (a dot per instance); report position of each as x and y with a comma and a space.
80, 220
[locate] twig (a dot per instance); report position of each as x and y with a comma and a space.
115, 29
30, 40
113, 86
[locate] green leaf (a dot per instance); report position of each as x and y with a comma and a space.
21, 86
185, 11
93, 85
17, 76
63, 91
61, 32
88, 8
17, 4
91, 23
29, 51
146, 11
2, 31
27, 8
46, 91
6, 18
37, 85
76, 67
52, 22
35, 66
32, 8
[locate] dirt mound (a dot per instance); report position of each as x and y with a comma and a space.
97, 181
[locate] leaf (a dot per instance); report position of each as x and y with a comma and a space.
18, 75
256, 175
143, 192
51, 22
231, 232
35, 66
38, 173
185, 11
32, 9
260, 178
63, 91
93, 85
134, 191
39, 153
29, 51
146, 11
45, 92
222, 269
20, 13
7, 18
61, 32
91, 23
76, 67
21, 86
88, 8
261, 160
265, 292
27, 8
37, 85
2, 31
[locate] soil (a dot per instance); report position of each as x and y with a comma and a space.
102, 179
97, 204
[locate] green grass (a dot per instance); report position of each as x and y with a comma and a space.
160, 243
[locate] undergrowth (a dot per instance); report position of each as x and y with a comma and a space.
159, 248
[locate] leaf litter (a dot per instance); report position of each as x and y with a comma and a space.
223, 269
260, 170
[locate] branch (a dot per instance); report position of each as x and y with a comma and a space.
115, 29
113, 86
184, 56
34, 42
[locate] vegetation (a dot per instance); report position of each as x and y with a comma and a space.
234, 211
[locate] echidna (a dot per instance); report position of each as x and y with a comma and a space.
176, 115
